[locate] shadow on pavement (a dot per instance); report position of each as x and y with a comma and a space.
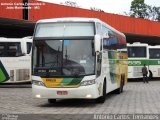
76, 102
17, 85
141, 79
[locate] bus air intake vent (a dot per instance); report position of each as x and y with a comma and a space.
22, 74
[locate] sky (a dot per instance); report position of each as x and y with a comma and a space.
110, 6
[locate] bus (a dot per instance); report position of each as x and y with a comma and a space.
77, 58
15, 60
137, 56
140, 54
154, 61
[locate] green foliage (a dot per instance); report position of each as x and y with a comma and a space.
141, 10
138, 9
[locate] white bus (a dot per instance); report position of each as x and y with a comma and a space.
137, 56
154, 61
15, 60
77, 58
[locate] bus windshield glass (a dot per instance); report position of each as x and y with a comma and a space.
136, 52
63, 29
154, 53
63, 57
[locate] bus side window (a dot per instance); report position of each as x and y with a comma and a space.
2, 50
14, 50
99, 63
29, 46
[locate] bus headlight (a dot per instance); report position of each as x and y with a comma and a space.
88, 82
39, 83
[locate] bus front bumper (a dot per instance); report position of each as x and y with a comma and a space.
85, 92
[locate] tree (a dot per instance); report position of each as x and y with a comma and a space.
138, 9
141, 10
153, 13
96, 9
157, 11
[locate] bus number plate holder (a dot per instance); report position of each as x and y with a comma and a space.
62, 92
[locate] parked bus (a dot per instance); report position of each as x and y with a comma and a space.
15, 60
140, 54
137, 57
77, 58
154, 61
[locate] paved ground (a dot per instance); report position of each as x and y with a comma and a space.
137, 98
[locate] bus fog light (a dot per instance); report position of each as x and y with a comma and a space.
88, 96
88, 82
38, 96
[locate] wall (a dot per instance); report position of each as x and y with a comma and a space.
10, 13
121, 23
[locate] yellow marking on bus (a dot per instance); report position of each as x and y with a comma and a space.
52, 82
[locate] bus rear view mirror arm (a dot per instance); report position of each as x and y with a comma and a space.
24, 47
97, 39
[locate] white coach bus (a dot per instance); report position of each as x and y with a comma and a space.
77, 58
137, 56
15, 60
140, 54
154, 61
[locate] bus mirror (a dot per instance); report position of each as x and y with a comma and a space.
97, 44
23, 47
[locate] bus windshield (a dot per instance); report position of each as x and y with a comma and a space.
154, 53
136, 52
63, 57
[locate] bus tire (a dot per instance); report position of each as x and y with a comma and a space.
122, 84
120, 89
51, 100
150, 75
103, 97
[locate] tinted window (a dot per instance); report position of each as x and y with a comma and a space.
10, 49
154, 53
137, 52
29, 46
111, 42
2, 49
64, 29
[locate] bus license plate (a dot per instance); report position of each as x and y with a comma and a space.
62, 92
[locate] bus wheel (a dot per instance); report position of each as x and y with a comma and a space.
103, 97
122, 83
120, 89
150, 75
51, 100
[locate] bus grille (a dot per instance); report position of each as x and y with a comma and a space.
137, 71
22, 74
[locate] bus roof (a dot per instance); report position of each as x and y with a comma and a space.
137, 44
68, 19
79, 19
3, 39
156, 47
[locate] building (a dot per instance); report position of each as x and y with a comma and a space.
18, 22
